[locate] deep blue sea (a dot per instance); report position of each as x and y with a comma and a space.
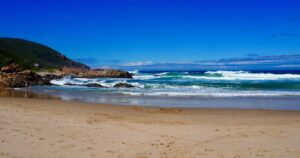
202, 89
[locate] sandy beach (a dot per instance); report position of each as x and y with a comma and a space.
54, 128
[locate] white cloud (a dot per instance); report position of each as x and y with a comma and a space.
255, 62
139, 63
289, 65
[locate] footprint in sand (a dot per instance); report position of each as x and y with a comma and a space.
60, 141
110, 151
89, 148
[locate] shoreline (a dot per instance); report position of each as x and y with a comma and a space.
43, 97
56, 128
240, 103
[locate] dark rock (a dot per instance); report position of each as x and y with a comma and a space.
71, 84
123, 85
86, 85
45, 79
94, 85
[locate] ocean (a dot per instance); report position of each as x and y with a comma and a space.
195, 89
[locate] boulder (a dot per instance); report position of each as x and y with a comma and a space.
71, 84
123, 85
94, 85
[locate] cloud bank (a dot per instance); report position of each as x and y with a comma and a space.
252, 62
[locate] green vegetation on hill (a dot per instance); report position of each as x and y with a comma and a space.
30, 54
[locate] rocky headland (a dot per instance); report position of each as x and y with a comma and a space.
14, 76
25, 63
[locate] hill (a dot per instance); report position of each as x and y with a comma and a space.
27, 54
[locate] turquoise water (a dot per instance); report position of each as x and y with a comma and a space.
196, 88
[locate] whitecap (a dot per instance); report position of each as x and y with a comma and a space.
244, 75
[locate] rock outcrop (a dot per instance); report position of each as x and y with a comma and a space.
96, 85
13, 76
23, 78
71, 84
123, 85
94, 73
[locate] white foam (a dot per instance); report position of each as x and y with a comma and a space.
215, 94
161, 74
244, 75
104, 82
82, 79
160, 88
224, 75
63, 81
134, 72
144, 77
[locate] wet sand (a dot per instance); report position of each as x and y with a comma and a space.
54, 128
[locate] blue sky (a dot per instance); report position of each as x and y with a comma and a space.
137, 32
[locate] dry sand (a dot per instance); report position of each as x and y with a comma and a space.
42, 128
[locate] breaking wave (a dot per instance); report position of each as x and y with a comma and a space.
205, 83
